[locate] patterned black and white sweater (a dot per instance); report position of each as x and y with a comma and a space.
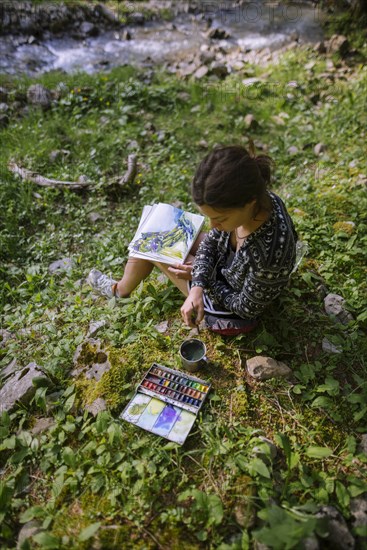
259, 270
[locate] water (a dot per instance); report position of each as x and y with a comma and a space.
253, 26
193, 352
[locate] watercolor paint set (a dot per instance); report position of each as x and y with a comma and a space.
167, 402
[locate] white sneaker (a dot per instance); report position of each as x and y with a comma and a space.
101, 283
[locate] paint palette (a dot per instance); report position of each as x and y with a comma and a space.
167, 402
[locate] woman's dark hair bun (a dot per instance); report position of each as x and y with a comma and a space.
265, 165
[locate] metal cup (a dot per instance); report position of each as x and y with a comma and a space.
193, 354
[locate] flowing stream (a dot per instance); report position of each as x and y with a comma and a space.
256, 26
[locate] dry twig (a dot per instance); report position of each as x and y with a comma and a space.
130, 174
28, 175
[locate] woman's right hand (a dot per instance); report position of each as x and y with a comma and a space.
192, 310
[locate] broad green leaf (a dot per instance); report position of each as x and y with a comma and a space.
68, 405
47, 541
215, 507
258, 466
89, 532
318, 452
342, 494
68, 456
31, 513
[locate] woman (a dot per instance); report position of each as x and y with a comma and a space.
244, 262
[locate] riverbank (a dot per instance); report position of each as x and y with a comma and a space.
280, 463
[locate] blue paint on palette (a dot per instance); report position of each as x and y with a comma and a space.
151, 414
166, 420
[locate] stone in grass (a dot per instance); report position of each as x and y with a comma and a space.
293, 150
250, 121
334, 307
42, 425
90, 359
311, 543
338, 535
59, 266
28, 530
362, 447
358, 510
94, 327
39, 96
319, 148
5, 335
20, 387
97, 406
329, 347
264, 368
162, 327
10, 369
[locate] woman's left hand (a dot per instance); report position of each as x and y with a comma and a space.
182, 271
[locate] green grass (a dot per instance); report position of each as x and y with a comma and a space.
98, 479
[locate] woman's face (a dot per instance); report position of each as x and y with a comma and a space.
228, 219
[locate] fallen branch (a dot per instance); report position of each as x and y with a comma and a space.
28, 175
131, 171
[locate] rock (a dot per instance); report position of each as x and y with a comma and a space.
263, 368
358, 510
88, 29
5, 336
42, 425
126, 35
39, 96
161, 327
9, 370
311, 543
4, 94
4, 107
65, 264
362, 447
338, 43
201, 72
203, 144
206, 57
293, 150
19, 387
320, 47
329, 347
334, 308
188, 69
251, 80
132, 145
28, 530
219, 69
278, 120
250, 121
319, 148
338, 536
90, 359
217, 34
106, 13
94, 327
4, 121
97, 406
136, 18
94, 216
58, 154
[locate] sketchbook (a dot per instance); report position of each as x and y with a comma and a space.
165, 234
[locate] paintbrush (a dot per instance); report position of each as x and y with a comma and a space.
194, 317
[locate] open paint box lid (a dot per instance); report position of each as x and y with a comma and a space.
167, 402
